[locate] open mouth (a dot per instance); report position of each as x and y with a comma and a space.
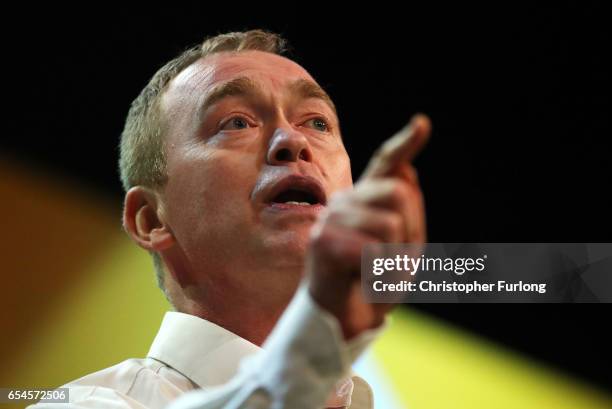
296, 196
297, 190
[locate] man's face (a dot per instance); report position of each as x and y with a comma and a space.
254, 152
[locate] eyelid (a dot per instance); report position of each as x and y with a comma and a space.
223, 122
323, 118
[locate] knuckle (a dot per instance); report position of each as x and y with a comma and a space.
399, 192
393, 226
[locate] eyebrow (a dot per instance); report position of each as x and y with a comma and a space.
245, 86
308, 89
241, 86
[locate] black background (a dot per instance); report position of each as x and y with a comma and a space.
518, 95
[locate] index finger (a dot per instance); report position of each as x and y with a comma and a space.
401, 147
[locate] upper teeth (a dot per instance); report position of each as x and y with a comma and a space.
298, 203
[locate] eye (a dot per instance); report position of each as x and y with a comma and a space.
318, 124
235, 123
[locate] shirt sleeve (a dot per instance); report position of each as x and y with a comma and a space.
302, 360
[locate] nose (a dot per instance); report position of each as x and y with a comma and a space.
288, 146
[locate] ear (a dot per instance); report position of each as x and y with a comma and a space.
143, 220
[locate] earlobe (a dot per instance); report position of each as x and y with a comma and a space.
143, 222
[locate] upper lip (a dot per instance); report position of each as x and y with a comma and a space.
298, 182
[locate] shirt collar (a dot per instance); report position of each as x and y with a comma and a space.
215, 357
204, 352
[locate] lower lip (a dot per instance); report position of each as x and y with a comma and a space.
284, 207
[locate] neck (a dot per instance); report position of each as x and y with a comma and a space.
249, 312
247, 321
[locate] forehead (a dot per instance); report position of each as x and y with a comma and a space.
276, 71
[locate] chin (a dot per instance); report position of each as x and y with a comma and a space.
289, 246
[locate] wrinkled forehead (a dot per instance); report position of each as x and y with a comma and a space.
274, 71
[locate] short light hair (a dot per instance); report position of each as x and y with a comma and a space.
142, 160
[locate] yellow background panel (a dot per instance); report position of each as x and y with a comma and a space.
432, 365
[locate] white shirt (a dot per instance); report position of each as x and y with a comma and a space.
209, 367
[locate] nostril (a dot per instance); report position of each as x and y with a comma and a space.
283, 155
304, 155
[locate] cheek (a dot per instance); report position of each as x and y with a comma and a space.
206, 192
339, 170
